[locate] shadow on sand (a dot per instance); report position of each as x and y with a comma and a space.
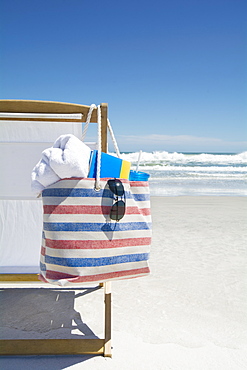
42, 313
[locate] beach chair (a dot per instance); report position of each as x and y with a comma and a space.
35, 112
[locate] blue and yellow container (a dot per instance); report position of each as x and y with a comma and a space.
110, 166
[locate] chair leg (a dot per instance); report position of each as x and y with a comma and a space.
107, 293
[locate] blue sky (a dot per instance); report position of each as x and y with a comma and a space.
173, 72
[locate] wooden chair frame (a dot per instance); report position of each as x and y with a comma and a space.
10, 347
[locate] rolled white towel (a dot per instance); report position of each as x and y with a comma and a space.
42, 174
68, 157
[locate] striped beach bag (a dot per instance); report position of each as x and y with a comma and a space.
95, 230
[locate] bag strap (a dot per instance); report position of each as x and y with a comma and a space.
113, 138
92, 107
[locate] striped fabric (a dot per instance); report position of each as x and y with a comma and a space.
80, 241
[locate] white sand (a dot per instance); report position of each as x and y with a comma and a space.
189, 314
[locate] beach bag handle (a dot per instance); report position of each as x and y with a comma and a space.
98, 165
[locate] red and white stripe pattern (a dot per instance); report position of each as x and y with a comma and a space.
80, 241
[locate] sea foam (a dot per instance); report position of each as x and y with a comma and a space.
193, 173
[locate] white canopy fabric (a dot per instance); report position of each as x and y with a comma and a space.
21, 145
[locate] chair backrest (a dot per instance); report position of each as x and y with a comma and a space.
56, 108
28, 127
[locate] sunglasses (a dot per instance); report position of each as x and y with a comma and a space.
118, 208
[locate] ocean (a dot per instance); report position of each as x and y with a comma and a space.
175, 174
